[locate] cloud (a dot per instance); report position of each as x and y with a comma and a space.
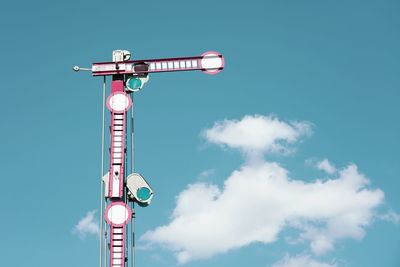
326, 166
390, 216
206, 174
323, 165
259, 200
257, 134
87, 225
301, 261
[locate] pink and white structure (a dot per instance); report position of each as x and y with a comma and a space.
122, 190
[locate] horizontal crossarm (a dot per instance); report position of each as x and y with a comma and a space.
210, 62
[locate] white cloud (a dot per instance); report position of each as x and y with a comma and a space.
259, 200
257, 134
326, 166
390, 216
323, 165
206, 174
87, 225
301, 261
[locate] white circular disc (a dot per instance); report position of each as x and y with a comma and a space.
118, 214
211, 62
119, 102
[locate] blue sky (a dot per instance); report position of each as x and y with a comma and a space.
331, 65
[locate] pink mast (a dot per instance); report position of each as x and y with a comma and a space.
120, 188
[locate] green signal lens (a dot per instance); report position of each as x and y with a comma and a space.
143, 193
134, 83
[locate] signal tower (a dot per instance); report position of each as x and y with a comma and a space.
120, 190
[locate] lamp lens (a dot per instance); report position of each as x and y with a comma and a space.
134, 83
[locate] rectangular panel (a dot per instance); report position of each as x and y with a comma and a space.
117, 261
183, 64
158, 65
117, 243
117, 230
118, 237
115, 193
117, 255
117, 161
176, 64
170, 65
164, 65
108, 67
194, 63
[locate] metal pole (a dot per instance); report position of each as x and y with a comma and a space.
132, 171
102, 174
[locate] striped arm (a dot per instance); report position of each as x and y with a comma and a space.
179, 64
117, 246
117, 147
118, 215
118, 103
210, 62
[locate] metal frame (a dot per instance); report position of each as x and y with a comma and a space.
116, 193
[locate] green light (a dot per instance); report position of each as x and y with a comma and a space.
143, 193
134, 83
